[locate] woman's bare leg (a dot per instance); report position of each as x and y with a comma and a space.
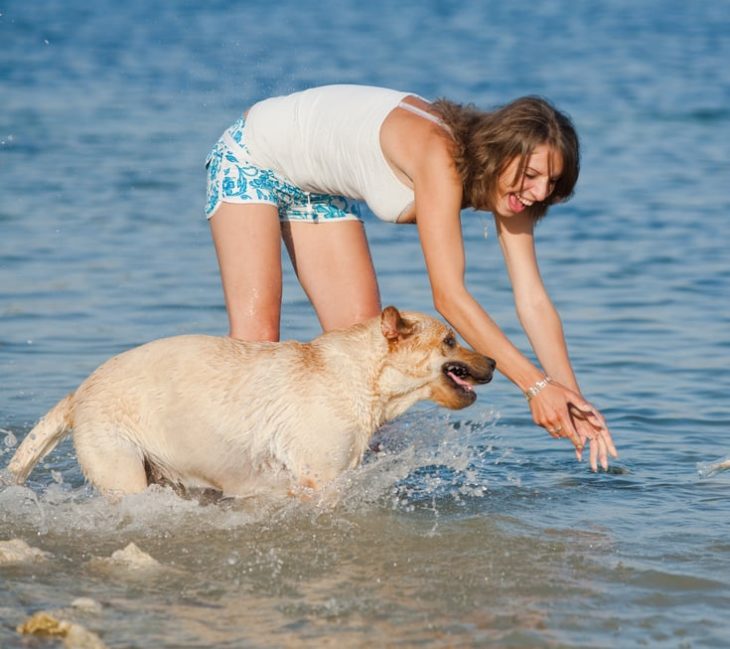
333, 264
247, 241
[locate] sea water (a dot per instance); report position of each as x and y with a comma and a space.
470, 528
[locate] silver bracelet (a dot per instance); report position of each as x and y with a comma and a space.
534, 390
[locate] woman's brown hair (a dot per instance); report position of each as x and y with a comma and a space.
486, 142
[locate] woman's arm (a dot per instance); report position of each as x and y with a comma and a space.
438, 203
559, 407
535, 310
541, 323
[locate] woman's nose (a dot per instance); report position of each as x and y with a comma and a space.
540, 189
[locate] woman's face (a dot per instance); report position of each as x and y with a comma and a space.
516, 192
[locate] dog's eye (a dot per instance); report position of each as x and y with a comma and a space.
450, 341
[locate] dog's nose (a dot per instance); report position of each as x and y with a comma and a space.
487, 370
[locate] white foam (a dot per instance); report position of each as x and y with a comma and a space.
708, 469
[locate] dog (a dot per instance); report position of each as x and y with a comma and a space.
252, 418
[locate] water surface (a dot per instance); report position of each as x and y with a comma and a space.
467, 529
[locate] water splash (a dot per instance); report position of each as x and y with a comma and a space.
10, 441
429, 458
709, 469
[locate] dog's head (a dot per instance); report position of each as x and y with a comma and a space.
424, 350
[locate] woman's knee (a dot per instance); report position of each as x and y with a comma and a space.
254, 321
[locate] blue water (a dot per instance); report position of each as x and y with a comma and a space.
470, 528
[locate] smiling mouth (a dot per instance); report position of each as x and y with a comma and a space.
457, 373
517, 203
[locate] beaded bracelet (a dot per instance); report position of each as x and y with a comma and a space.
534, 390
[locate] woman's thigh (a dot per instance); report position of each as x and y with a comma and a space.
247, 239
332, 261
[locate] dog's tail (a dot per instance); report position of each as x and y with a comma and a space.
44, 437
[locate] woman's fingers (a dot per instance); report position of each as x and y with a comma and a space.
595, 420
578, 421
595, 444
573, 435
607, 445
599, 439
607, 442
603, 456
566, 429
600, 448
586, 411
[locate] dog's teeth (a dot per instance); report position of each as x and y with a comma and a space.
458, 370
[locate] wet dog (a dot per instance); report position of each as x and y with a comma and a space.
249, 418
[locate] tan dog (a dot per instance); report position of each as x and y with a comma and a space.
246, 418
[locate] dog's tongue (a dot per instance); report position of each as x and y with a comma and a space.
459, 381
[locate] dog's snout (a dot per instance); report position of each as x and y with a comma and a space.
486, 369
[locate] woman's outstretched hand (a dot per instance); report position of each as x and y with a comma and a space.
565, 413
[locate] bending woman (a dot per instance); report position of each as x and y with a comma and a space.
294, 167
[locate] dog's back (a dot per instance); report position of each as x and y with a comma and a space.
210, 412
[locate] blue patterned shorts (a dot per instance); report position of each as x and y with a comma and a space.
232, 178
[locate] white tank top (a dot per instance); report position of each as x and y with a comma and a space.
327, 140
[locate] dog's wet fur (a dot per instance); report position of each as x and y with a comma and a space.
241, 418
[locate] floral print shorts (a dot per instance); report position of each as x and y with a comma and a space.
232, 178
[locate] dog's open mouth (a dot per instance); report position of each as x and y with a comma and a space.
457, 374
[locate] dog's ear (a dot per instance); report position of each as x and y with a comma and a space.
393, 326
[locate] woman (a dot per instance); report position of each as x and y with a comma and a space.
293, 166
